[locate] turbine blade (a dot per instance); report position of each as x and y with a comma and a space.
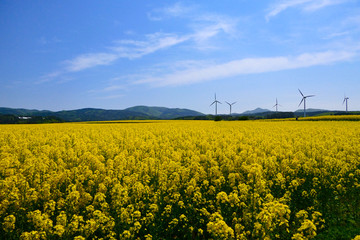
212, 103
233, 103
301, 101
301, 93
227, 103
310, 96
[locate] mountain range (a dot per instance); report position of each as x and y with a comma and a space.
140, 113
255, 111
95, 114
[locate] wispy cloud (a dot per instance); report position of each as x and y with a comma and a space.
208, 26
353, 22
176, 10
48, 77
336, 35
201, 28
44, 41
90, 60
124, 49
114, 88
246, 66
282, 6
304, 5
204, 25
344, 30
151, 43
115, 96
129, 49
315, 5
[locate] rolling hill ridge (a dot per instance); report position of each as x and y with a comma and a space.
95, 114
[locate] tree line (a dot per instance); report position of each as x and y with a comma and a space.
12, 119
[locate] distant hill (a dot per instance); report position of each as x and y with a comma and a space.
312, 110
11, 115
23, 112
163, 112
11, 119
255, 111
94, 114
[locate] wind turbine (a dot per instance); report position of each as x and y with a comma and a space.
346, 100
304, 100
216, 102
230, 104
276, 105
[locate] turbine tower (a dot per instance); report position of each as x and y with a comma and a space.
304, 100
215, 102
230, 105
346, 100
276, 105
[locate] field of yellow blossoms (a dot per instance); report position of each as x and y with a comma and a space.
181, 180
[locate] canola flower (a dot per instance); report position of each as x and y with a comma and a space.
180, 179
332, 118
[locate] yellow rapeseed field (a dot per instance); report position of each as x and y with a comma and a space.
180, 179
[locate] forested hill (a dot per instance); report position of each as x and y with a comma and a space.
163, 112
11, 119
94, 114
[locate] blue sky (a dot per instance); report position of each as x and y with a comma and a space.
62, 55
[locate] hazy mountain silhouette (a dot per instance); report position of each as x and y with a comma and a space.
95, 114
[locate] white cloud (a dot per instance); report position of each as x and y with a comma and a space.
125, 49
337, 35
90, 60
315, 5
278, 8
353, 21
49, 77
246, 66
343, 32
132, 49
135, 49
217, 25
202, 28
176, 10
305, 5
114, 88
116, 96
204, 25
